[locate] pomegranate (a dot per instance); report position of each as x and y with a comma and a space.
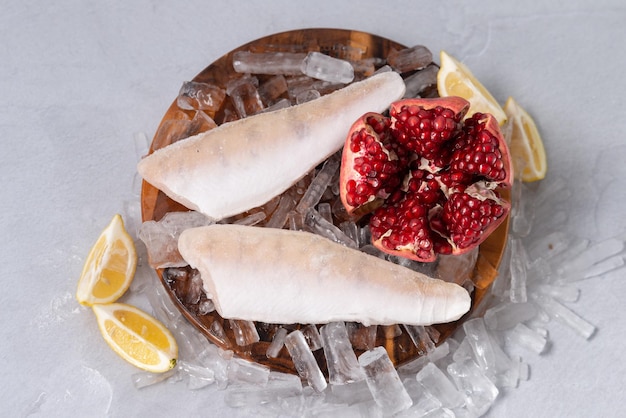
427, 178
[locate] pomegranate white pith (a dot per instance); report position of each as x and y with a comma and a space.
283, 276
428, 176
243, 164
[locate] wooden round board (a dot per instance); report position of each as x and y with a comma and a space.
155, 204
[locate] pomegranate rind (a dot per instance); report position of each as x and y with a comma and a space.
442, 155
352, 153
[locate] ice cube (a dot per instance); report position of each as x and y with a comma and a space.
312, 337
417, 83
518, 267
304, 361
252, 219
564, 315
478, 338
285, 63
245, 96
351, 392
326, 68
161, 238
281, 104
362, 337
564, 293
435, 382
523, 336
318, 185
457, 268
414, 366
245, 332
594, 254
295, 221
200, 96
421, 339
307, 96
480, 393
409, 59
507, 315
279, 216
279, 386
604, 266
244, 371
315, 223
343, 366
384, 382
199, 376
216, 360
271, 90
278, 341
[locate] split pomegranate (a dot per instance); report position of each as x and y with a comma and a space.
426, 177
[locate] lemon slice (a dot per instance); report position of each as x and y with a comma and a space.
455, 79
110, 266
527, 150
137, 337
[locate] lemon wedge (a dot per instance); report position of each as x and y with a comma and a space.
110, 266
527, 150
137, 337
455, 79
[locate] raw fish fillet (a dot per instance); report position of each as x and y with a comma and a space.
244, 164
283, 276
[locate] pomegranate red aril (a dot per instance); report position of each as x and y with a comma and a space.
428, 176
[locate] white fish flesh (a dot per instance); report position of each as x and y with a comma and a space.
243, 164
283, 276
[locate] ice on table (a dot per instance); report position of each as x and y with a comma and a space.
479, 392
